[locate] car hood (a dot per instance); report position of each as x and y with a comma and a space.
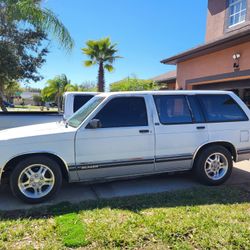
35, 130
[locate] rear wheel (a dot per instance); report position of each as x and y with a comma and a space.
36, 179
213, 165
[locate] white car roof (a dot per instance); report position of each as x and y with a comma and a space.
166, 92
80, 93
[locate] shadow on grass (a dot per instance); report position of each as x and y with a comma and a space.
189, 197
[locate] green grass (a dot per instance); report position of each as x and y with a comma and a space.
71, 230
200, 218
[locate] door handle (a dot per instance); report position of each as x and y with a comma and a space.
144, 131
200, 127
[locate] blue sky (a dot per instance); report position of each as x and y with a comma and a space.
146, 31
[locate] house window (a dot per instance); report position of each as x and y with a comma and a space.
237, 12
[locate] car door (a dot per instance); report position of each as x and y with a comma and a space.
122, 146
179, 131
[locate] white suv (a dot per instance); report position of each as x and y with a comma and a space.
117, 135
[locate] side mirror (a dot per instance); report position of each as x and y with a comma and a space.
95, 123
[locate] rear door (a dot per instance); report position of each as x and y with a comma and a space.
124, 145
179, 131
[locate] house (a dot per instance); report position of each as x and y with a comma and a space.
26, 98
166, 81
223, 61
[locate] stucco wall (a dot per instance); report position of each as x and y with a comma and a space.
215, 19
212, 64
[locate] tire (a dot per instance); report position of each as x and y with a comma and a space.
209, 170
36, 179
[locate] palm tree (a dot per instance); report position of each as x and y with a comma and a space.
55, 89
103, 53
74, 87
31, 12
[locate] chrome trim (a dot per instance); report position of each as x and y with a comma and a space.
30, 153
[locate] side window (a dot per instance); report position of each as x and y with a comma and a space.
80, 100
221, 108
172, 109
124, 112
196, 109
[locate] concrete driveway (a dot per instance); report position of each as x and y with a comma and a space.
75, 193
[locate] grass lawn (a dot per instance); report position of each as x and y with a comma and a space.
200, 218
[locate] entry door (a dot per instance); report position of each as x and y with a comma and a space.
124, 145
179, 131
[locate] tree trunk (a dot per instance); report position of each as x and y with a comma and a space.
58, 103
101, 82
4, 109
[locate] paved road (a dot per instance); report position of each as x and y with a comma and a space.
79, 192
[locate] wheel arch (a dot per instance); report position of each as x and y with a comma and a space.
228, 145
10, 165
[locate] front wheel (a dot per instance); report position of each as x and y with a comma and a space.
213, 165
36, 179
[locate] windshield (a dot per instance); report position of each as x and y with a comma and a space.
77, 118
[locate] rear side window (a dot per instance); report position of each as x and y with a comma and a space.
221, 108
80, 100
124, 112
173, 109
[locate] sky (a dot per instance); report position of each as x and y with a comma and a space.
146, 31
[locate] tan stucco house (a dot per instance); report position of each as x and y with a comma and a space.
223, 61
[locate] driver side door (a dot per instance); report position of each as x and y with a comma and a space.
122, 146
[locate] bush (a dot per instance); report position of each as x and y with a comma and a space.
133, 84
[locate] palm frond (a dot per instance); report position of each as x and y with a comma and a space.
109, 67
89, 63
30, 11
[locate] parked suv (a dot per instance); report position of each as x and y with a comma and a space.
119, 135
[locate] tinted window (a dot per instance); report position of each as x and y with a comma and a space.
172, 109
80, 100
124, 112
196, 109
220, 108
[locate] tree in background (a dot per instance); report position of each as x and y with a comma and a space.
88, 86
33, 13
84, 87
102, 53
55, 89
24, 25
11, 89
21, 54
133, 84
37, 100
